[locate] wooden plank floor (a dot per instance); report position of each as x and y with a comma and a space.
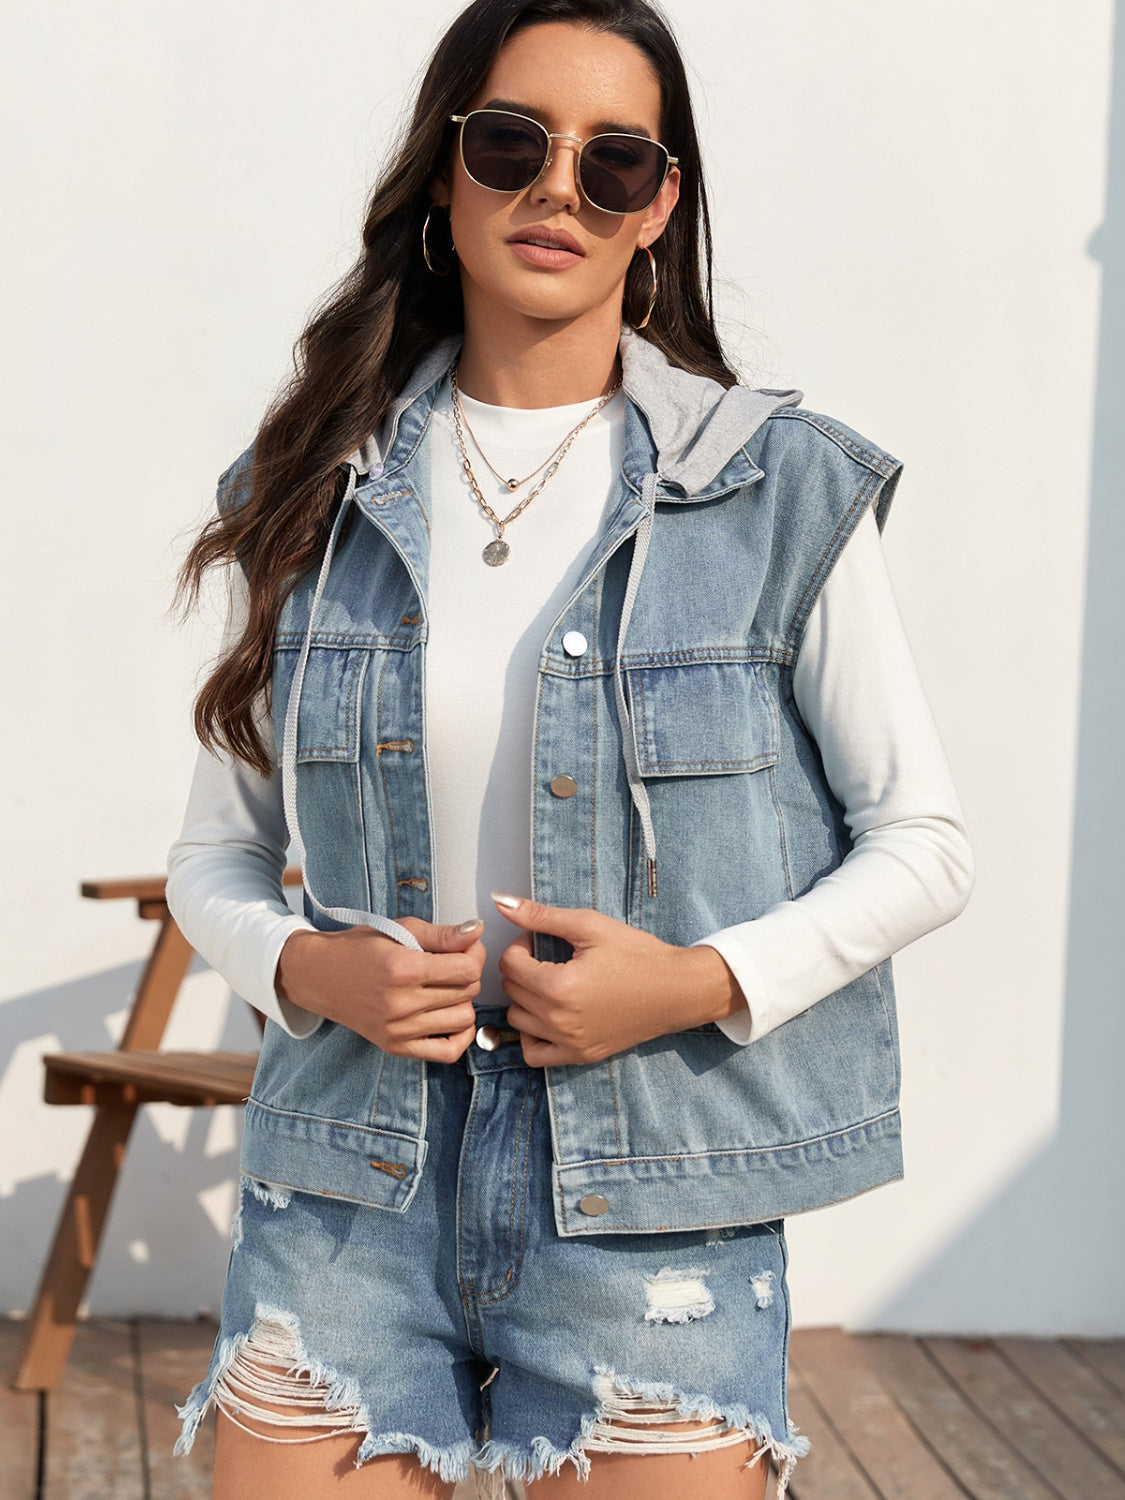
890, 1418
894, 1418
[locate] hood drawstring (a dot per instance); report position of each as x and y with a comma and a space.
637, 789
344, 915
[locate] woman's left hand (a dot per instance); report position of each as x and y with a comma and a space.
622, 986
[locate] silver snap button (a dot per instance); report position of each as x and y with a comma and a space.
563, 786
574, 643
594, 1204
488, 1038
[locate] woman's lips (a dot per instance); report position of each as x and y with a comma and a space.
544, 245
551, 257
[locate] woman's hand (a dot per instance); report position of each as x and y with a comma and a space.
411, 1004
623, 986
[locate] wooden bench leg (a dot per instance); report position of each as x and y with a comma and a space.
50, 1325
159, 985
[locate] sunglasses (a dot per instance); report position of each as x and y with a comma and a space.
620, 174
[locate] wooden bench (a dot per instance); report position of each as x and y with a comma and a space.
116, 1084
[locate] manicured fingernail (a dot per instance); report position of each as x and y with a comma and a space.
471, 925
509, 903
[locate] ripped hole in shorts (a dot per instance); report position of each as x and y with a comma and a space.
275, 1198
266, 1384
632, 1424
677, 1297
637, 1418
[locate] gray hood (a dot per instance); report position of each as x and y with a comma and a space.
697, 424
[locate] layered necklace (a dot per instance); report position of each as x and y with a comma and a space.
498, 551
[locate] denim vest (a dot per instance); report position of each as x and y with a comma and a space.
701, 802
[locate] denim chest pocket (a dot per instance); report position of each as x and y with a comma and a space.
328, 721
702, 719
360, 794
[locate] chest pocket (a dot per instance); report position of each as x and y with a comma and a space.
329, 718
705, 733
329, 787
702, 719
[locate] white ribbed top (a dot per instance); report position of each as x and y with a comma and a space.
487, 627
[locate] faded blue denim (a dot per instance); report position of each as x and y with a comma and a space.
397, 1322
744, 501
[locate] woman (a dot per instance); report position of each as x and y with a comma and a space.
541, 601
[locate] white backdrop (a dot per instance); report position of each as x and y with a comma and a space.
912, 225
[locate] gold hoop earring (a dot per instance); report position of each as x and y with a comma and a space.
652, 300
426, 249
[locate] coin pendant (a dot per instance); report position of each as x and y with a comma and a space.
496, 552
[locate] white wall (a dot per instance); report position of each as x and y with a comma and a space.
905, 198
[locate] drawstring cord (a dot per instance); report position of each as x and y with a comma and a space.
344, 915
637, 789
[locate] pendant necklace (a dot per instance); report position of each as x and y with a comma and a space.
498, 551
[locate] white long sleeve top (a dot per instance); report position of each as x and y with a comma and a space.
855, 682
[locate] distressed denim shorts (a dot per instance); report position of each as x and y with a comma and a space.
466, 1330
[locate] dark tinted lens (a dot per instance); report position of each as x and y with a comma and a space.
502, 151
622, 173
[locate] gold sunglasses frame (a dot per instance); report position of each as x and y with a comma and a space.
670, 161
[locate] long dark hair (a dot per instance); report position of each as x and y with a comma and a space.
362, 343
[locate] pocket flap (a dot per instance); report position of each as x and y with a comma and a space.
702, 719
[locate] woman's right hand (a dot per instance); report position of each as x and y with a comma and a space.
411, 1004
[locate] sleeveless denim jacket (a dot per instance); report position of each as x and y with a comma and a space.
693, 765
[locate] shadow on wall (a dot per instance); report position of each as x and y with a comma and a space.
1053, 1223
178, 1160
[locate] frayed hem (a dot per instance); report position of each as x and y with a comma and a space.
199, 1402
699, 1408
600, 1431
753, 1427
449, 1464
503, 1460
335, 1394
191, 1413
498, 1459
332, 1391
